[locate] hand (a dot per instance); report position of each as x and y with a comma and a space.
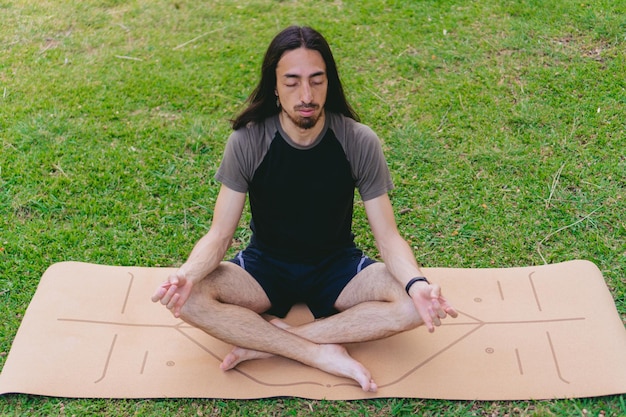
431, 305
174, 292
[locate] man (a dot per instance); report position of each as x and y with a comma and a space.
298, 152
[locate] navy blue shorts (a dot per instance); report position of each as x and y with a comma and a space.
318, 286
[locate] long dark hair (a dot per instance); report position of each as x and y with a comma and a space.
262, 101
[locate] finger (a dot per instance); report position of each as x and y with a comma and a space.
435, 317
435, 292
443, 307
174, 279
428, 321
429, 325
437, 308
160, 291
436, 299
448, 308
169, 294
158, 294
452, 312
173, 301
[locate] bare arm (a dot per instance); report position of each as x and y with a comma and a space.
206, 254
401, 263
211, 248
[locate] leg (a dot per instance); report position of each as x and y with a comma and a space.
372, 306
227, 305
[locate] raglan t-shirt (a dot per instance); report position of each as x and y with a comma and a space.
301, 198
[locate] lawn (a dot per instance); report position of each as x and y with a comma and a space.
503, 123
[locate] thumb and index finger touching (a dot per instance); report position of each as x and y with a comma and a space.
441, 303
435, 309
171, 293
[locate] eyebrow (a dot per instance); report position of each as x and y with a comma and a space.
315, 74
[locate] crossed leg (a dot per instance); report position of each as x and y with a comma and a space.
372, 306
228, 305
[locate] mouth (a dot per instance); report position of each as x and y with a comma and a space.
306, 111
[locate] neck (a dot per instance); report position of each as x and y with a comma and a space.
303, 137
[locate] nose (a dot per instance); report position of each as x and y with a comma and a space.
305, 93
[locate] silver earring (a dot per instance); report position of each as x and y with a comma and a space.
277, 102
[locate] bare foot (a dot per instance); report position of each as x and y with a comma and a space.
335, 360
239, 354
344, 366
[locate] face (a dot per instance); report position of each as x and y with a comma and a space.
301, 86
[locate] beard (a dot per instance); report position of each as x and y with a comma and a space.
304, 122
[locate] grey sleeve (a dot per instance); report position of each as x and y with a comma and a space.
234, 171
369, 166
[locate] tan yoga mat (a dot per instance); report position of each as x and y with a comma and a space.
522, 333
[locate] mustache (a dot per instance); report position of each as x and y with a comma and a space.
307, 106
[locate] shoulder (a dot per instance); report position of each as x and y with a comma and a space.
245, 149
357, 139
346, 128
254, 134
364, 152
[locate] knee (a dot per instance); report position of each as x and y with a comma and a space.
189, 311
407, 317
198, 305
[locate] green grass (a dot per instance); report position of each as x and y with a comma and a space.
503, 123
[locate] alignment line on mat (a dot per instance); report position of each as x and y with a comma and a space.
556, 362
143, 364
532, 285
130, 284
519, 362
106, 363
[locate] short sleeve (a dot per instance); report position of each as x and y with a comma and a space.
232, 171
365, 154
